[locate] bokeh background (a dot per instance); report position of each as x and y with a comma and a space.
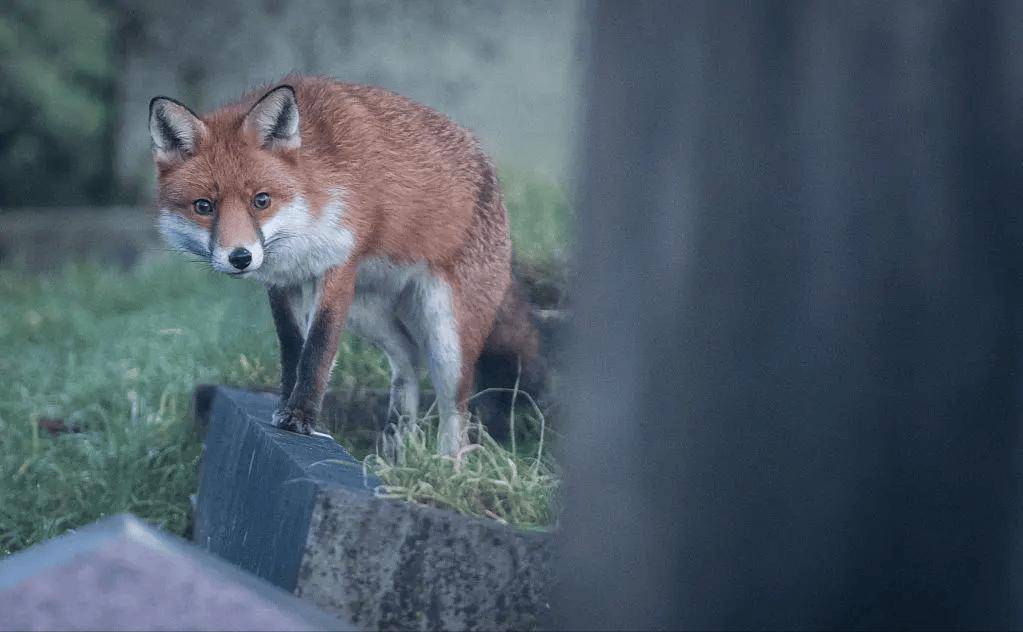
79, 76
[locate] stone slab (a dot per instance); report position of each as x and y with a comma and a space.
400, 566
270, 502
120, 574
258, 485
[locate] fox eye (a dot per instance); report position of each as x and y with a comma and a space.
203, 206
261, 201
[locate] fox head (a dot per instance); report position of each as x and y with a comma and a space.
229, 184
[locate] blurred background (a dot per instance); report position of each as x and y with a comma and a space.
79, 76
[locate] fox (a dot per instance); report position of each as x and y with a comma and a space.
358, 209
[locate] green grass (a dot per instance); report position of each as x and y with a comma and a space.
116, 354
540, 217
513, 485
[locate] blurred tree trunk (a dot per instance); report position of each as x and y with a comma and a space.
794, 381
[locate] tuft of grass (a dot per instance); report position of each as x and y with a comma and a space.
486, 479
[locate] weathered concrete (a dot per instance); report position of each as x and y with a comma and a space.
119, 574
395, 565
270, 502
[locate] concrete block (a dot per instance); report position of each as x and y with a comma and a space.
120, 574
272, 502
395, 565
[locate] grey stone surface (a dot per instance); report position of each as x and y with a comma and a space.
258, 484
269, 502
119, 574
395, 565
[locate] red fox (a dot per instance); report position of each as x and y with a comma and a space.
357, 208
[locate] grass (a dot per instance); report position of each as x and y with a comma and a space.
539, 214
114, 355
486, 479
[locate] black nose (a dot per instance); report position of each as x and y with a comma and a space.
240, 258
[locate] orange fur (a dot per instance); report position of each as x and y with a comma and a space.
417, 189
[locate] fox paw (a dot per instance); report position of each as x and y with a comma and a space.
294, 420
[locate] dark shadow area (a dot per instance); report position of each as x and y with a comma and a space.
794, 391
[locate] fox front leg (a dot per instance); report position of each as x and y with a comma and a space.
298, 413
290, 336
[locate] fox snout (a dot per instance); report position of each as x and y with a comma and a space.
240, 258
237, 240
237, 258
235, 255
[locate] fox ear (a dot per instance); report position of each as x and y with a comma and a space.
273, 120
175, 130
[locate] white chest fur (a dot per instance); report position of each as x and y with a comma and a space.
299, 246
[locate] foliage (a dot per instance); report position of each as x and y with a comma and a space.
57, 63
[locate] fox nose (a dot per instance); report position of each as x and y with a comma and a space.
240, 258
